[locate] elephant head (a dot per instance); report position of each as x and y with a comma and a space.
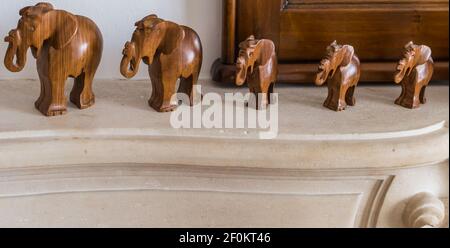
151, 37
246, 59
337, 56
38, 24
414, 55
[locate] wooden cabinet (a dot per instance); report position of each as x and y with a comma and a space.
302, 29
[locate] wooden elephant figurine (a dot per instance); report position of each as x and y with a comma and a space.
172, 52
415, 71
342, 69
258, 66
64, 45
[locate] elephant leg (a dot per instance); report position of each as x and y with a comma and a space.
257, 100
169, 91
156, 89
187, 87
265, 97
342, 105
416, 97
251, 98
163, 90
43, 81
195, 93
401, 98
350, 98
337, 102
271, 90
54, 103
81, 94
329, 97
334, 102
423, 99
157, 92
257, 91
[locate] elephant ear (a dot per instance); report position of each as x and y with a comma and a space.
40, 8
174, 34
65, 30
148, 22
349, 52
425, 55
25, 11
45, 7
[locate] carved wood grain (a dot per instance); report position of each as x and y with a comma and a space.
304, 29
263, 23
229, 32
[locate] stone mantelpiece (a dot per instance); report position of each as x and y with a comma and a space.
122, 164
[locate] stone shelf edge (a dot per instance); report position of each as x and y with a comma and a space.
359, 168
99, 134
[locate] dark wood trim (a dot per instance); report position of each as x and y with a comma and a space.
229, 32
263, 23
223, 73
305, 73
361, 4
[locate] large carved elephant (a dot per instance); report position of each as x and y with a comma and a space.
415, 71
172, 52
343, 70
64, 45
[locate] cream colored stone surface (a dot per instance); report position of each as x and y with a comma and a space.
446, 224
120, 164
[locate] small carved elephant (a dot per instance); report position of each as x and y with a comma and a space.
64, 45
258, 66
172, 52
415, 71
343, 68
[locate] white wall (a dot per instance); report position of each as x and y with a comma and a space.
116, 19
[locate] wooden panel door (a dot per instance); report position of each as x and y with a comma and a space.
378, 29
302, 29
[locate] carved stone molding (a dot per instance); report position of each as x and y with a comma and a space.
445, 224
316, 193
424, 210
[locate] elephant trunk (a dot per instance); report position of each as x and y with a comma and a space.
241, 75
399, 76
15, 50
243, 67
402, 69
129, 66
324, 71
